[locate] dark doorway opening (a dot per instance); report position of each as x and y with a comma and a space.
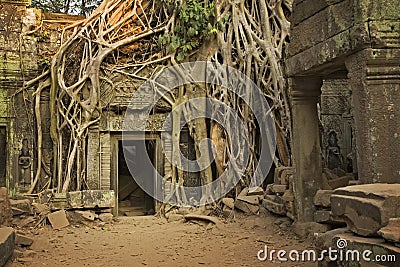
132, 199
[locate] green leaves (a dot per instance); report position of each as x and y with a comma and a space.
195, 22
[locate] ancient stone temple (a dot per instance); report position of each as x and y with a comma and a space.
356, 41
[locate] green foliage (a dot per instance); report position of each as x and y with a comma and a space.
195, 22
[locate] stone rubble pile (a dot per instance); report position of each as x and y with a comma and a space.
25, 214
371, 214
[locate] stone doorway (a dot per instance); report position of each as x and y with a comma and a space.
131, 199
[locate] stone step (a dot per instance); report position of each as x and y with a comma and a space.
7, 239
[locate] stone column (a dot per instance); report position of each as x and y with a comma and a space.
374, 76
93, 159
306, 144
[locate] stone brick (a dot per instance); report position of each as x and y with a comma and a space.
274, 207
22, 240
391, 232
279, 189
253, 200
366, 208
87, 215
246, 207
244, 192
229, 202
21, 206
58, 219
323, 198
255, 191
7, 237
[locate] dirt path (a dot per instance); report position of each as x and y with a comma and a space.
149, 241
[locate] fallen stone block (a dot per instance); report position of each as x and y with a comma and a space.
323, 198
40, 208
229, 202
274, 207
244, 192
366, 208
255, 191
106, 217
87, 215
275, 198
7, 238
58, 219
23, 240
253, 200
391, 232
22, 206
279, 188
246, 207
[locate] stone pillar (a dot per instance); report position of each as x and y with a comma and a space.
374, 76
93, 159
306, 144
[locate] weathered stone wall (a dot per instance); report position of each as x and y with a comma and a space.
358, 40
18, 54
28, 39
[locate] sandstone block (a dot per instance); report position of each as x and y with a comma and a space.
229, 202
366, 208
7, 237
323, 198
391, 232
274, 207
58, 219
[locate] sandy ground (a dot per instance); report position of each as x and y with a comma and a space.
150, 241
